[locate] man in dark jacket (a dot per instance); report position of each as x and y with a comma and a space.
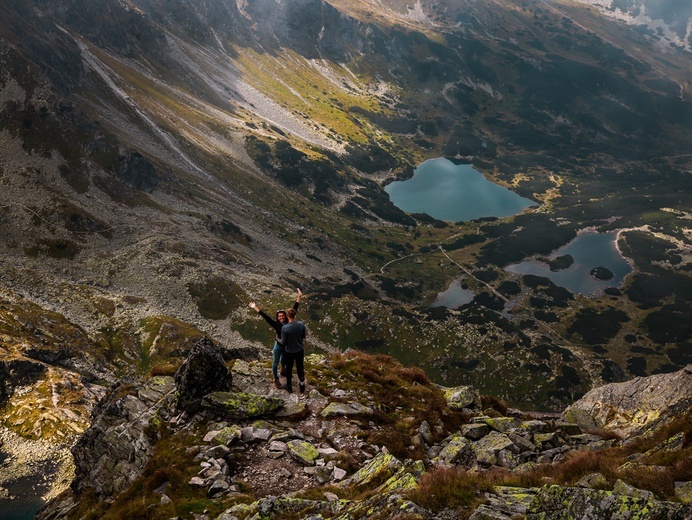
292, 336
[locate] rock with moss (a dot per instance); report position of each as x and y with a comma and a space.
558, 503
280, 507
381, 467
461, 397
226, 436
488, 448
505, 503
303, 452
405, 479
456, 449
502, 424
239, 405
203, 372
384, 505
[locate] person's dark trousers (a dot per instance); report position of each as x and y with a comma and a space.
299, 359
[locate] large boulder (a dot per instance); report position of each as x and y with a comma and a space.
627, 407
590, 504
202, 373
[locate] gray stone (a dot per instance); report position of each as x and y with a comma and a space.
456, 450
475, 431
335, 409
624, 488
461, 397
627, 407
593, 481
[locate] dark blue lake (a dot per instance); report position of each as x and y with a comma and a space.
589, 250
454, 192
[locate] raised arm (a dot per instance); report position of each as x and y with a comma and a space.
297, 302
266, 317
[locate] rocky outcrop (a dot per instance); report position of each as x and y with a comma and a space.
137, 171
629, 406
112, 453
18, 372
556, 502
202, 373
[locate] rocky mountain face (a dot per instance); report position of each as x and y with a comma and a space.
164, 163
344, 450
666, 21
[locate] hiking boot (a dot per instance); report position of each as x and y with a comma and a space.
278, 384
283, 372
301, 386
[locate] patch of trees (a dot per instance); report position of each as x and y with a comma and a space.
294, 168
670, 324
597, 326
369, 158
561, 262
509, 288
649, 290
377, 201
489, 300
464, 241
396, 125
535, 234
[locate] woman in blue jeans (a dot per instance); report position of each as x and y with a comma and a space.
276, 324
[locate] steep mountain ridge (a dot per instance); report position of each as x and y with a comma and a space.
240, 450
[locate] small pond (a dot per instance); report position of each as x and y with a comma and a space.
454, 297
454, 192
590, 251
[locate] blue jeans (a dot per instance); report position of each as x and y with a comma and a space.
278, 353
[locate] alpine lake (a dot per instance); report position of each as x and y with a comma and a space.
457, 192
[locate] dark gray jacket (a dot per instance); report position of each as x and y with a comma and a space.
292, 336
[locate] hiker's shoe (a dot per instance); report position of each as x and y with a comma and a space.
283, 372
278, 384
301, 386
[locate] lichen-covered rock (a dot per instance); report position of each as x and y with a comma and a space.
626, 407
460, 397
505, 503
226, 436
487, 448
502, 424
475, 431
302, 451
382, 466
383, 505
337, 409
203, 372
239, 405
456, 450
566, 503
405, 479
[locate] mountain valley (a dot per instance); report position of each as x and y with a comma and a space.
163, 164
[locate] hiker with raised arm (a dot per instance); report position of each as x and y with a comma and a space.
277, 324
